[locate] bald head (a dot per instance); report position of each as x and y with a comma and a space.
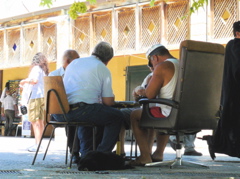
69, 56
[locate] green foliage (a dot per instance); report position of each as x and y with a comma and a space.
80, 7
47, 3
77, 7
196, 5
152, 3
92, 1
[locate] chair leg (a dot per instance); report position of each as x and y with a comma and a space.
16, 132
94, 138
159, 164
73, 147
131, 150
49, 142
178, 162
193, 164
66, 156
35, 156
136, 150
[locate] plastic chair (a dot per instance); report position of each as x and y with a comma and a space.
19, 125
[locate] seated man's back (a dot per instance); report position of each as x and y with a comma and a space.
87, 80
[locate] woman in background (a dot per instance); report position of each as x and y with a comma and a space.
39, 69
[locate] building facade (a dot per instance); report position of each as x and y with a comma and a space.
131, 28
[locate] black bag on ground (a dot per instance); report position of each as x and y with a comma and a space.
96, 160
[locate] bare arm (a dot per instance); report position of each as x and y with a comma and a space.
156, 83
108, 101
32, 82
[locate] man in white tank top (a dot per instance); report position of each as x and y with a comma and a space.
162, 83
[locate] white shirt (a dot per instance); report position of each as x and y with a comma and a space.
3, 94
27, 90
8, 103
167, 91
38, 89
59, 72
144, 83
87, 80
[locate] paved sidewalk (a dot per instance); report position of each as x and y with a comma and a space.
16, 160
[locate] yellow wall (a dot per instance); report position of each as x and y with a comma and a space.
118, 66
20, 73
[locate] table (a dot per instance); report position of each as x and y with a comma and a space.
126, 104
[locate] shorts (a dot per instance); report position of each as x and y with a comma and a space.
36, 109
156, 112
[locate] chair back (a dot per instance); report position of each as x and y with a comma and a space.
198, 90
199, 85
55, 96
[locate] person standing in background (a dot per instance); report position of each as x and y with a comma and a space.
188, 143
3, 95
39, 69
9, 111
226, 138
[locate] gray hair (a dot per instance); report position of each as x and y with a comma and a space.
40, 60
103, 51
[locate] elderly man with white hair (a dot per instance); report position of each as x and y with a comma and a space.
88, 86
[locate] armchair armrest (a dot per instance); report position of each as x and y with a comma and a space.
167, 102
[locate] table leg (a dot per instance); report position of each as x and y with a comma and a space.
118, 149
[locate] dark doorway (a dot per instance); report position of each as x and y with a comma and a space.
1, 81
135, 77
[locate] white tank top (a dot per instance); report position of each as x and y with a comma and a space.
167, 91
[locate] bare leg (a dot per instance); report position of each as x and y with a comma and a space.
141, 136
38, 127
151, 137
162, 141
122, 139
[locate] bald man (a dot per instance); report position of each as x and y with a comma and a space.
68, 57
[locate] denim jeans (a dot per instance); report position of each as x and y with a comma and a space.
85, 135
104, 116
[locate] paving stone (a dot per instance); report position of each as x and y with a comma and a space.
15, 162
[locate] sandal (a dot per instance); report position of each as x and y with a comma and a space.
136, 163
156, 160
